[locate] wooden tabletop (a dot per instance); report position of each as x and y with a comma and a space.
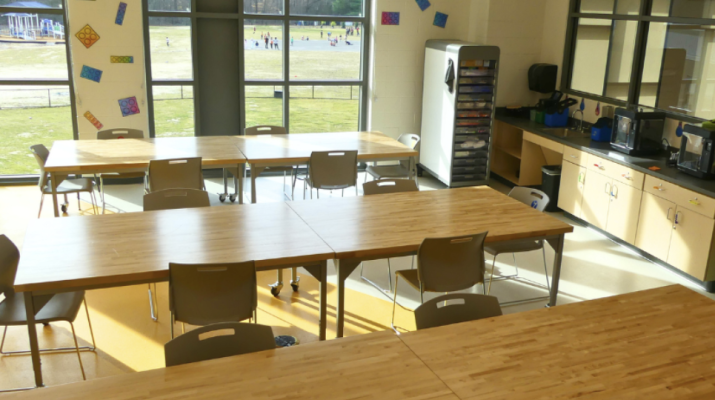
116, 155
371, 366
368, 226
654, 344
117, 249
296, 148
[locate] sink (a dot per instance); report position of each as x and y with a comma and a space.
567, 132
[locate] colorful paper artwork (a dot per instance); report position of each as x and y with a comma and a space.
93, 120
129, 106
424, 4
120, 13
391, 18
121, 59
87, 36
440, 19
93, 74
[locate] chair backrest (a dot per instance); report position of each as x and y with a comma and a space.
202, 294
178, 173
9, 259
120, 133
218, 340
454, 308
385, 186
333, 169
410, 140
532, 197
41, 154
170, 199
452, 263
265, 130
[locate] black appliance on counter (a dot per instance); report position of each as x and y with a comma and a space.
542, 78
637, 133
697, 156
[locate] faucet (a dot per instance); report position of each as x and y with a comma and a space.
580, 123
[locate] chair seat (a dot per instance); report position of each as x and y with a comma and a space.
71, 186
388, 171
411, 276
514, 247
57, 307
123, 175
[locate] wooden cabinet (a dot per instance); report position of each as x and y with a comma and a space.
596, 198
623, 211
571, 188
690, 242
655, 225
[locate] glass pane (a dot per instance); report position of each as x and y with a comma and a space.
684, 8
32, 46
32, 4
173, 111
31, 115
170, 40
628, 7
170, 5
264, 105
315, 109
345, 8
620, 63
263, 54
325, 52
591, 55
597, 6
263, 7
677, 70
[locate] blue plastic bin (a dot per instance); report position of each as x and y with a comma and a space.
557, 120
602, 134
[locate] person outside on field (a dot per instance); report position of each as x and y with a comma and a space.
266, 39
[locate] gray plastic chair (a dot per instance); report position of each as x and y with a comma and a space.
385, 187
203, 294
65, 186
539, 201
170, 199
401, 170
177, 173
445, 265
331, 170
52, 307
229, 339
110, 134
455, 308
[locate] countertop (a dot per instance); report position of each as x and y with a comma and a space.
603, 149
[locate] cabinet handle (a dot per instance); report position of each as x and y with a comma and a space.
614, 194
659, 187
668, 215
573, 156
627, 175
694, 202
608, 188
678, 219
599, 166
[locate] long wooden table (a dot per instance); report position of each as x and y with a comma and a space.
127, 155
69, 254
263, 151
376, 227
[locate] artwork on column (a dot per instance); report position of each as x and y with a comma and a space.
424, 4
93, 74
440, 19
129, 106
121, 59
390, 18
87, 36
120, 13
93, 120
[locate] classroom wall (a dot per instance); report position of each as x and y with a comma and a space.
118, 80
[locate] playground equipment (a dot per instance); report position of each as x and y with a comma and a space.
28, 26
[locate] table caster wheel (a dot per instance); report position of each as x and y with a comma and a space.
232, 198
294, 283
295, 287
286, 341
64, 208
222, 197
276, 289
45, 324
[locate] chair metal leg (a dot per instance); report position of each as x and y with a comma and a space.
394, 305
153, 303
386, 292
89, 322
101, 193
546, 269
79, 356
491, 275
422, 294
172, 324
183, 328
42, 200
513, 256
79, 203
2, 343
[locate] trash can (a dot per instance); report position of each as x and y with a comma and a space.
550, 182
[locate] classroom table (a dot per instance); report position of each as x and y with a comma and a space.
70, 254
263, 151
392, 225
129, 155
653, 344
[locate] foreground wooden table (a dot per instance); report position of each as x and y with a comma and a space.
654, 344
125, 155
375, 227
68, 254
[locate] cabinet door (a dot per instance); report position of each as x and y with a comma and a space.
655, 225
623, 212
596, 197
690, 242
571, 188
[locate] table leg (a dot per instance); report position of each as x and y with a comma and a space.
53, 184
255, 171
239, 179
32, 333
558, 245
344, 269
320, 272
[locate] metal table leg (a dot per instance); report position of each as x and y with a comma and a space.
53, 184
255, 172
320, 272
558, 246
344, 268
32, 333
239, 179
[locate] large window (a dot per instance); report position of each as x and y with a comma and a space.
35, 93
652, 53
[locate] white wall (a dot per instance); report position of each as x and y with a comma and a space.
118, 80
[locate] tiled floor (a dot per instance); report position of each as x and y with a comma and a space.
128, 340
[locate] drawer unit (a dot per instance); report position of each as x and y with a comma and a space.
575, 156
543, 142
626, 175
598, 164
685, 198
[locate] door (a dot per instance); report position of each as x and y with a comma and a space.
690, 242
623, 212
596, 197
655, 225
571, 188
